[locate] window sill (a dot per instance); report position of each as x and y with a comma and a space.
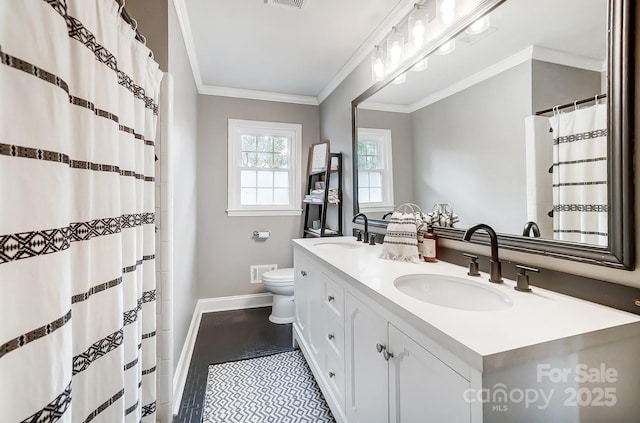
381, 208
247, 213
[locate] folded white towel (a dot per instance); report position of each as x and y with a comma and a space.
401, 239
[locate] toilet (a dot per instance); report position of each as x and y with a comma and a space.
280, 283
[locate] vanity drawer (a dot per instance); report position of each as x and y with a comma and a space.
333, 298
334, 336
335, 376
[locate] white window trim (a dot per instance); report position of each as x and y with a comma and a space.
236, 127
383, 138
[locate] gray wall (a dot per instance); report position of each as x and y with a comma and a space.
335, 123
466, 144
554, 84
225, 245
402, 149
152, 18
184, 165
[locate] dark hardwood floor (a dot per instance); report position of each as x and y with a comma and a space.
228, 336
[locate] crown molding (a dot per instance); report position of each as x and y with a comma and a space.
486, 73
257, 95
529, 53
384, 107
187, 36
402, 8
568, 59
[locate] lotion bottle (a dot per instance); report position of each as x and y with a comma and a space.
430, 246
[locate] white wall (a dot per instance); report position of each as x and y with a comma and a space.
184, 166
226, 248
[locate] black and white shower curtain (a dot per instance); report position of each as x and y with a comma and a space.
580, 205
78, 114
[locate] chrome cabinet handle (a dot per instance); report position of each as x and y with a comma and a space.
330, 336
380, 347
331, 374
387, 355
303, 273
330, 298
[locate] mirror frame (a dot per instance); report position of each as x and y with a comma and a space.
620, 252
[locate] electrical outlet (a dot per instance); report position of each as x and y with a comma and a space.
257, 270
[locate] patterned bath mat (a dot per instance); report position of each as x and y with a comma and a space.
277, 388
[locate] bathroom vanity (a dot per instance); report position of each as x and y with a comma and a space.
403, 342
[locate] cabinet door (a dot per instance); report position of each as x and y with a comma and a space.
367, 370
302, 275
423, 388
316, 332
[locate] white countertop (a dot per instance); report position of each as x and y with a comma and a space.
536, 318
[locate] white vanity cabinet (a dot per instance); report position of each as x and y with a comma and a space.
319, 326
380, 355
340, 336
393, 378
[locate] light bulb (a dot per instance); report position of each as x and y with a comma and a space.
396, 52
377, 64
448, 18
447, 6
378, 69
418, 26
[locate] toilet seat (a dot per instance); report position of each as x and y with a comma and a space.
279, 276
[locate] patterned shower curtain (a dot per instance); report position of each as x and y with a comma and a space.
580, 204
78, 112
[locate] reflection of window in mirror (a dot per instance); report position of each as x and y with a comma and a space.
375, 170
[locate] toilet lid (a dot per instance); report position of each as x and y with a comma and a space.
279, 275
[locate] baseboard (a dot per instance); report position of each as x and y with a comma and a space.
236, 302
209, 305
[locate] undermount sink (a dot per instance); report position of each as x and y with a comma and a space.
337, 245
453, 292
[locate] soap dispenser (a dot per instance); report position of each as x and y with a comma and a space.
430, 246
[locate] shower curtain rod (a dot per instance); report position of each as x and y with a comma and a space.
575, 103
128, 19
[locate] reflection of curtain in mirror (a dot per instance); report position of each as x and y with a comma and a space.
580, 175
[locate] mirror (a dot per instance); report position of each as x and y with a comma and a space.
464, 131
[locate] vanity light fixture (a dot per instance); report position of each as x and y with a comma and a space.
377, 64
446, 48
395, 49
479, 26
417, 26
447, 10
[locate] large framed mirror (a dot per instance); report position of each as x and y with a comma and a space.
489, 129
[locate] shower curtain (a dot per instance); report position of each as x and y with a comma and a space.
580, 204
78, 112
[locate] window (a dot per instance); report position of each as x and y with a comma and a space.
264, 168
375, 170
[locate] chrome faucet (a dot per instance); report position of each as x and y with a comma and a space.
495, 274
366, 225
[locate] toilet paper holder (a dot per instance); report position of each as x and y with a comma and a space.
261, 234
